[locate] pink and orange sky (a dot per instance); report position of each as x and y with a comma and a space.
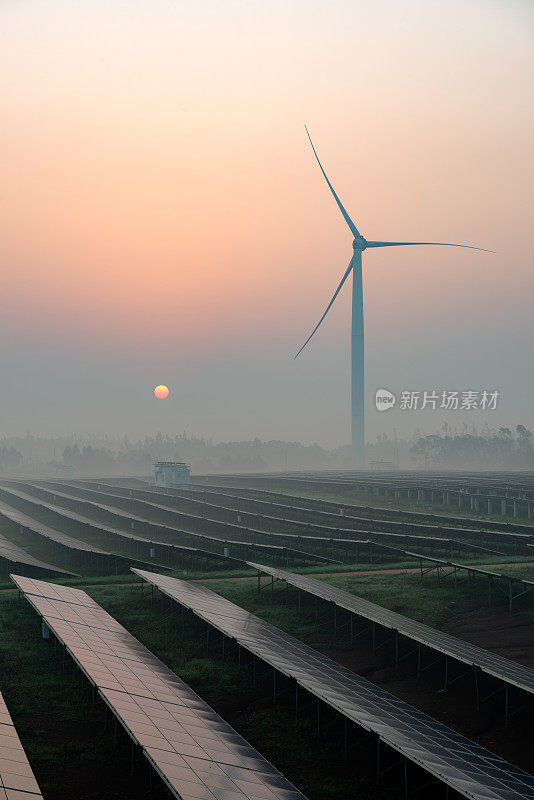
163, 219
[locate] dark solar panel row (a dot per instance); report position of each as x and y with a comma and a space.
328, 543
425, 535
518, 481
242, 545
302, 505
510, 487
172, 499
509, 478
47, 532
443, 491
391, 518
119, 494
436, 562
456, 761
187, 496
256, 483
17, 781
301, 543
196, 753
16, 555
407, 554
222, 543
502, 668
106, 529
522, 480
120, 513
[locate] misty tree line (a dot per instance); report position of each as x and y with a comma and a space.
504, 448
201, 454
501, 448
34, 454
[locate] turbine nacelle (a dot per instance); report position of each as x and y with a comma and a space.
360, 244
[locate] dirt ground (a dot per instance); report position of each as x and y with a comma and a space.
495, 629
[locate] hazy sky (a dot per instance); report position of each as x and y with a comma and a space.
163, 219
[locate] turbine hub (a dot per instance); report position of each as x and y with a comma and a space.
359, 243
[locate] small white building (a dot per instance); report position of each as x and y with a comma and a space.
171, 473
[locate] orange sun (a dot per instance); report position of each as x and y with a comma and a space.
161, 392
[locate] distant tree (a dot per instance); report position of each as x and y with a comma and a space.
10, 459
524, 445
71, 455
523, 433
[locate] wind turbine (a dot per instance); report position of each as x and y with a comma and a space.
357, 335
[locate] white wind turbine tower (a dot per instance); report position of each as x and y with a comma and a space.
357, 335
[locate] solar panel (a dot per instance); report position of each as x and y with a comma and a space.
17, 781
54, 591
294, 482
126, 535
217, 542
295, 539
460, 763
304, 504
39, 528
300, 540
502, 668
187, 495
158, 507
303, 554
16, 555
196, 753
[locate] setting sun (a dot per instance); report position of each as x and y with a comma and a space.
161, 392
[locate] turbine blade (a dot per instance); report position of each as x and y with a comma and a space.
348, 220
439, 244
343, 279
